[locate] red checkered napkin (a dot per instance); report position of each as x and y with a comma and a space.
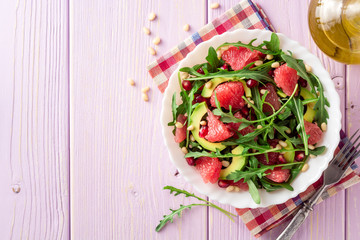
247, 15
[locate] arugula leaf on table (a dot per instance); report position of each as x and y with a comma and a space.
177, 212
299, 66
298, 110
321, 114
273, 46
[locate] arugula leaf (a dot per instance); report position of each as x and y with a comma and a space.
284, 115
317, 151
174, 107
321, 114
260, 75
298, 110
170, 217
260, 172
274, 41
190, 71
299, 66
254, 192
272, 186
177, 212
273, 44
212, 59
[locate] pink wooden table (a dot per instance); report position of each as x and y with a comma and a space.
82, 155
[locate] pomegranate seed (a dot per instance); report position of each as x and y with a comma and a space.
224, 67
198, 99
299, 156
190, 161
203, 131
187, 85
200, 70
282, 159
271, 73
251, 83
303, 83
223, 183
244, 111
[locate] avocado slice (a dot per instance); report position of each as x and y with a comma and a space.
310, 112
289, 156
207, 92
195, 119
238, 163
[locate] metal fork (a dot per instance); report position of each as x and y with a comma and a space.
336, 169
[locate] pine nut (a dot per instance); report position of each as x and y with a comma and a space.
145, 97
258, 63
190, 146
214, 5
259, 127
275, 65
145, 89
269, 57
305, 167
190, 128
323, 127
156, 41
203, 123
225, 163
184, 150
192, 138
312, 156
152, 16
283, 144
311, 147
186, 27
278, 146
236, 189
146, 31
208, 85
308, 68
288, 131
179, 125
131, 81
230, 188
249, 106
151, 51
251, 101
263, 91
184, 75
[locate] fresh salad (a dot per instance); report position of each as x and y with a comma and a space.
250, 116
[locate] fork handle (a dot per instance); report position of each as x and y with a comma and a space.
300, 216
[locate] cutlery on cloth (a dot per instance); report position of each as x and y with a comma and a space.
331, 175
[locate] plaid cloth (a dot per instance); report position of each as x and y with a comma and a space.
247, 15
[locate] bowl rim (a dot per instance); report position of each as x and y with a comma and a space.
334, 115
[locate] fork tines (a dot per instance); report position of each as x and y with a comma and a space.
348, 153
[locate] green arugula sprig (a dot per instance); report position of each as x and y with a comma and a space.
177, 212
272, 46
245, 73
297, 109
321, 114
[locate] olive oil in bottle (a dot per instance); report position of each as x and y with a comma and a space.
335, 28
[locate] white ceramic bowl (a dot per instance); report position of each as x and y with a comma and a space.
317, 165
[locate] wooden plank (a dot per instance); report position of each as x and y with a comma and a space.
119, 163
353, 117
34, 185
328, 219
